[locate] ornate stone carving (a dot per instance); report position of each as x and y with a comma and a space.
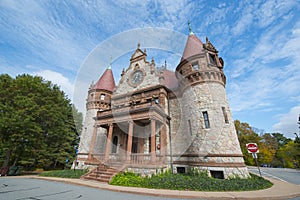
209, 46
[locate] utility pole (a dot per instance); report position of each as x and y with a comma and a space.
299, 123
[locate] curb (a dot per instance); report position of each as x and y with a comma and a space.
279, 190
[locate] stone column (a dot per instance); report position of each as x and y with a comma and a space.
92, 146
153, 149
108, 142
129, 141
163, 140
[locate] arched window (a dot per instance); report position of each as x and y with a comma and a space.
115, 144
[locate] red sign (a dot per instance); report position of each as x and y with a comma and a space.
252, 147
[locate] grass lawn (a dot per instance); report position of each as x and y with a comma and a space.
68, 173
194, 182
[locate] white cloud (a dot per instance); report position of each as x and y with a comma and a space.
244, 22
271, 10
41, 34
269, 72
58, 79
288, 122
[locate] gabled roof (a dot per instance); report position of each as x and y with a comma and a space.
138, 54
106, 81
171, 81
193, 47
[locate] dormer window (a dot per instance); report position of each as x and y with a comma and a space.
102, 96
195, 65
212, 59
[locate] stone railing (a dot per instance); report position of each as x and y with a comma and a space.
135, 158
144, 159
140, 158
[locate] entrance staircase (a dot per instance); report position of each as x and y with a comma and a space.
104, 172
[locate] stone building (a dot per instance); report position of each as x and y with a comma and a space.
156, 119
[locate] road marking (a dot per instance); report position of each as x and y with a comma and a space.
254, 170
272, 176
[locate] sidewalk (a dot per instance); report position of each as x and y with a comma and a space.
280, 190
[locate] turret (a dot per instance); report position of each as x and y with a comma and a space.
199, 63
99, 98
99, 94
209, 135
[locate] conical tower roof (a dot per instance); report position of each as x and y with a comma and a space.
193, 47
106, 81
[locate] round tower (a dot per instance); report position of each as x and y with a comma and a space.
92, 139
207, 121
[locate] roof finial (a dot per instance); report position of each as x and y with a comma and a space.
139, 45
110, 62
190, 28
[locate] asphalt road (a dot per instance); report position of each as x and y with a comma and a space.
289, 175
25, 188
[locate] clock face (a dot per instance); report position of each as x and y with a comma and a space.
136, 77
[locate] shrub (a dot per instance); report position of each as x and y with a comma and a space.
65, 173
193, 181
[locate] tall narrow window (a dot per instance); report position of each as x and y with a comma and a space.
212, 59
206, 119
225, 115
190, 127
195, 65
102, 97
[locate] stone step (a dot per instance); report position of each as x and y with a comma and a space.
112, 170
105, 176
102, 168
97, 179
103, 173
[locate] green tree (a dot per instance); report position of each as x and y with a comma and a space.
282, 141
246, 135
267, 149
37, 128
288, 154
78, 119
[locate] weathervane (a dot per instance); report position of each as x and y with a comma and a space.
190, 28
110, 62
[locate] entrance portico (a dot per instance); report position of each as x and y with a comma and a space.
134, 136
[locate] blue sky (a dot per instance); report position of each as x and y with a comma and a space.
258, 40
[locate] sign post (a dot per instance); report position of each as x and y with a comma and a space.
253, 148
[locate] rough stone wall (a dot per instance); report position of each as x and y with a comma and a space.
221, 137
85, 138
180, 139
100, 142
87, 132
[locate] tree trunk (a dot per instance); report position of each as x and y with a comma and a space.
7, 158
16, 161
55, 163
